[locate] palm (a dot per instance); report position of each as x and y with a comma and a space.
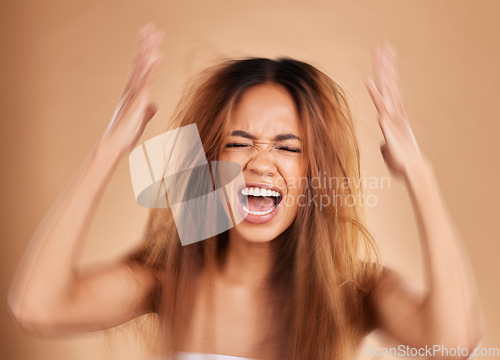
400, 149
134, 109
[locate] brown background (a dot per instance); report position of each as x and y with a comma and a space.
63, 65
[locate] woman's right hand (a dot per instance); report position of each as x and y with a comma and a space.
50, 297
134, 109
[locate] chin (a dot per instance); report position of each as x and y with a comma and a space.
255, 233
261, 232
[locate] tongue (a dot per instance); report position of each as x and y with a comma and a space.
260, 203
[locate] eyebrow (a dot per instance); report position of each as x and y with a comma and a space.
279, 137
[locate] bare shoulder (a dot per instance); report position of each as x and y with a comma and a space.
395, 300
391, 283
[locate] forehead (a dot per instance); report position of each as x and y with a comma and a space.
266, 110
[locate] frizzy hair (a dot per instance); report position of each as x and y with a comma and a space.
325, 263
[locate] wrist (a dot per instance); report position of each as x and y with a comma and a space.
418, 171
108, 153
110, 148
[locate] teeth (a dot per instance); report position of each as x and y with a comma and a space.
255, 191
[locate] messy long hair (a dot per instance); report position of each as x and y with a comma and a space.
325, 262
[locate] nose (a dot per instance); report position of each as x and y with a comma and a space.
262, 164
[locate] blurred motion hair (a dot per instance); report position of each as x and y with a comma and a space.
325, 264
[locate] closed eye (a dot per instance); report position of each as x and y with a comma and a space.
235, 145
280, 147
291, 149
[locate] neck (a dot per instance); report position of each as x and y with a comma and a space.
246, 263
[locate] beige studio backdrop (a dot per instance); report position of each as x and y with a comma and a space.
64, 63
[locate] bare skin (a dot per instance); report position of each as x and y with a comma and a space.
49, 294
78, 300
449, 312
264, 112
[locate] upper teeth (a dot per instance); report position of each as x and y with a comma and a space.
255, 191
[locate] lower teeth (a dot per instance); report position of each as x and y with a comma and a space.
258, 212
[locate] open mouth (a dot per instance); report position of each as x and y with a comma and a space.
258, 200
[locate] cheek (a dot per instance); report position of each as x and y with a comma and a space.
294, 174
234, 157
227, 156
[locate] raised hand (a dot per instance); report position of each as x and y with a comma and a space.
400, 150
134, 109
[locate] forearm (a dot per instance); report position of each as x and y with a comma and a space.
46, 274
451, 309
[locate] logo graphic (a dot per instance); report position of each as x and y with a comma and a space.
171, 169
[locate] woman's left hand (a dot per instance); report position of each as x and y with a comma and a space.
400, 150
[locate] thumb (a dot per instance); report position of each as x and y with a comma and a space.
383, 149
149, 112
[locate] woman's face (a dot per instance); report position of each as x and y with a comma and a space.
264, 137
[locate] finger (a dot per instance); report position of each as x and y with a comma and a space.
141, 93
148, 77
149, 44
149, 57
139, 54
393, 83
139, 88
379, 70
145, 36
383, 149
376, 98
152, 42
150, 111
148, 114
148, 28
384, 79
152, 56
383, 118
391, 101
388, 133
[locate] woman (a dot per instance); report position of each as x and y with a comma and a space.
287, 281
